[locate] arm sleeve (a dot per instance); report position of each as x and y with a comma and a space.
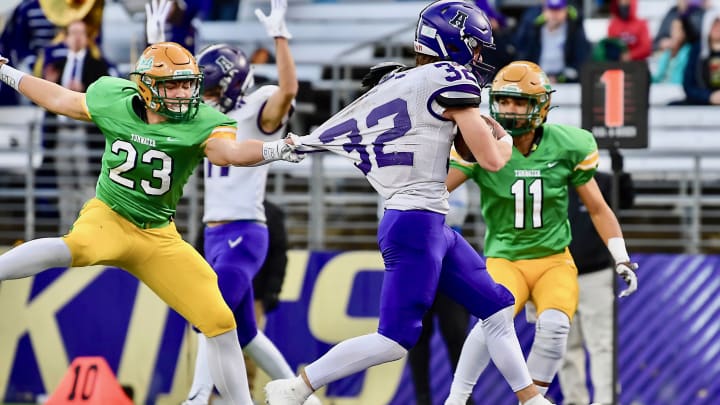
586, 158
466, 167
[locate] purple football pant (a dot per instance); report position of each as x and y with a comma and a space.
422, 255
236, 251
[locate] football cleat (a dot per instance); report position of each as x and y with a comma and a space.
282, 392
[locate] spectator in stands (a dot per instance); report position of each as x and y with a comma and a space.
592, 327
555, 39
664, 37
453, 318
27, 31
702, 74
610, 50
671, 63
76, 71
633, 30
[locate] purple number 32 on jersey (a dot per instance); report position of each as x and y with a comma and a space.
401, 125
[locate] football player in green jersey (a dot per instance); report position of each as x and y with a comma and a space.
525, 206
157, 131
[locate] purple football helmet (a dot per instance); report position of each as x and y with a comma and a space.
228, 74
453, 30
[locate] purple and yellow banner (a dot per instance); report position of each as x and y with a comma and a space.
669, 332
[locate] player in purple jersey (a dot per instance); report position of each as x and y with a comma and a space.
236, 236
400, 134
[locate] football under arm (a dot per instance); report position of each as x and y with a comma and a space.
490, 154
54, 98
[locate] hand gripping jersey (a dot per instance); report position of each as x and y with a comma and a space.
397, 137
144, 167
233, 193
525, 204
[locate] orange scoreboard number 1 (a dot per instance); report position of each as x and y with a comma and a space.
614, 81
615, 103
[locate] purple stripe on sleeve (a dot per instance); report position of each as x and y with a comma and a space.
472, 91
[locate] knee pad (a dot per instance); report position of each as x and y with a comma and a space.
551, 332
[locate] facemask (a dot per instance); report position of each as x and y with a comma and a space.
624, 11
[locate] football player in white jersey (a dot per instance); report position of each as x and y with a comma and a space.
399, 134
236, 237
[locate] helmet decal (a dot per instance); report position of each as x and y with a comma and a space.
144, 64
459, 20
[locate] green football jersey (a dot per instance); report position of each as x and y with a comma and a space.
145, 167
525, 203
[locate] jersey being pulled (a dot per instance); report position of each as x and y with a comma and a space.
525, 204
397, 137
234, 193
144, 167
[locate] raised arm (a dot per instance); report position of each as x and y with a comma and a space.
48, 95
280, 102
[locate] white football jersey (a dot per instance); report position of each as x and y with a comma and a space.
397, 137
237, 193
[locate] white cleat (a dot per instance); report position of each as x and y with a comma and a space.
312, 400
282, 392
538, 400
201, 397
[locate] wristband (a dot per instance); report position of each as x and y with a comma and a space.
11, 76
617, 249
507, 139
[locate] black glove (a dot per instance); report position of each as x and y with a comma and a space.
270, 302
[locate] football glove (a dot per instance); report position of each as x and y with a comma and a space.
156, 12
281, 150
275, 22
626, 270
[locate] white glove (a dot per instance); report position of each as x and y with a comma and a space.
281, 150
626, 270
275, 22
157, 13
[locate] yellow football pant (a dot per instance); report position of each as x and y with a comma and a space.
158, 257
549, 282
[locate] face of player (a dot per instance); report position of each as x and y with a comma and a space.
177, 93
515, 108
